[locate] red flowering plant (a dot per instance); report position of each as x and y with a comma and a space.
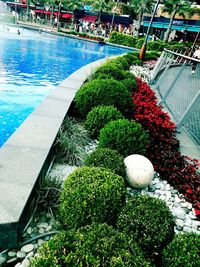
164, 149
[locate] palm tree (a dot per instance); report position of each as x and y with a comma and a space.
193, 11
140, 7
101, 6
73, 5
174, 7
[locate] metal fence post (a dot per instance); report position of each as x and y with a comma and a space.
158, 66
163, 73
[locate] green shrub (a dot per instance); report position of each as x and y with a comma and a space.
129, 75
107, 158
122, 39
140, 42
136, 54
130, 84
72, 32
111, 69
129, 81
70, 142
130, 57
149, 221
82, 34
137, 62
127, 137
156, 45
99, 116
103, 92
101, 76
120, 62
184, 250
94, 245
175, 46
152, 55
91, 194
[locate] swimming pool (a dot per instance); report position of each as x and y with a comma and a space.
34, 63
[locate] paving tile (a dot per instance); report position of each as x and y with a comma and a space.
36, 132
21, 165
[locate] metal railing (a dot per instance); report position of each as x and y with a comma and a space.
179, 89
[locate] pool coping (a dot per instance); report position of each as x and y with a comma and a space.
25, 156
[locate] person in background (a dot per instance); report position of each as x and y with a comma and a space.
196, 55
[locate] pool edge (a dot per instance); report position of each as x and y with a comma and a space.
25, 156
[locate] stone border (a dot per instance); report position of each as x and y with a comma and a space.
25, 155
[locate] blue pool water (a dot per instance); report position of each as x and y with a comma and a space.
32, 64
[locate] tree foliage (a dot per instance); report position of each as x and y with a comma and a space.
174, 7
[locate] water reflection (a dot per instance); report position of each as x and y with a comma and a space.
32, 64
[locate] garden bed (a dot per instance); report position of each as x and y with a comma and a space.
98, 209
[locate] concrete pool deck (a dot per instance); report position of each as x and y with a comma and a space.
26, 155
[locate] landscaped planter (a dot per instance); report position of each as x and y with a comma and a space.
157, 124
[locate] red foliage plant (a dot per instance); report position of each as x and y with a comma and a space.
164, 149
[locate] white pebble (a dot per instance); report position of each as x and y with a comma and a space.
179, 222
21, 254
49, 228
168, 195
184, 204
29, 230
162, 197
167, 187
35, 246
27, 248
30, 254
187, 229
12, 254
179, 213
41, 231
42, 225
40, 242
26, 263
2, 260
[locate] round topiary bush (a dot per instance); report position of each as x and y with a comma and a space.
93, 245
130, 57
184, 250
103, 92
129, 75
129, 81
130, 84
111, 69
120, 63
107, 158
127, 137
149, 221
101, 76
91, 194
99, 116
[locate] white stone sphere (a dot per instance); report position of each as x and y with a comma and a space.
139, 170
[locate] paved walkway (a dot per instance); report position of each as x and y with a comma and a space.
182, 94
